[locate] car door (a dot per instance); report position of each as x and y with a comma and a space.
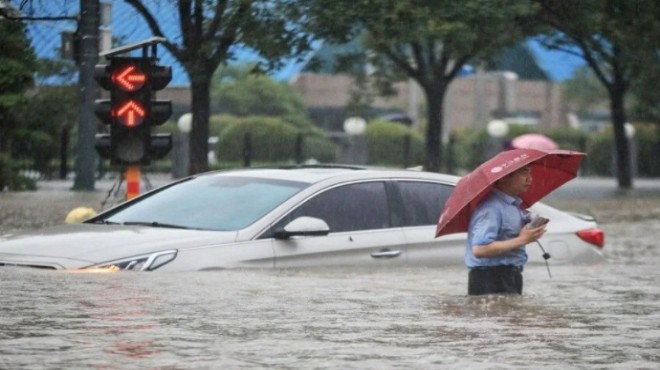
421, 203
361, 231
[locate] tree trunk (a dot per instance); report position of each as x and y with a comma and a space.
622, 145
434, 114
199, 146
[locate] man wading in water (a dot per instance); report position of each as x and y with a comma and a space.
497, 235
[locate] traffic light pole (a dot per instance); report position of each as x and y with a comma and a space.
89, 29
132, 175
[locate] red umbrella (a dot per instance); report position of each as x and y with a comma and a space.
550, 170
534, 141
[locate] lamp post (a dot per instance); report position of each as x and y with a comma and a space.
357, 147
629, 131
181, 160
497, 130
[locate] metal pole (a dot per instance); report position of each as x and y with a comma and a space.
132, 175
89, 45
247, 150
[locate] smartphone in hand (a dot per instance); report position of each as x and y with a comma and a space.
538, 221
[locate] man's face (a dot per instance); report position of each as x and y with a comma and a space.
516, 182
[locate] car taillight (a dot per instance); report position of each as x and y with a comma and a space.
592, 236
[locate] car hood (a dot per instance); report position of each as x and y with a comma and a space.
79, 245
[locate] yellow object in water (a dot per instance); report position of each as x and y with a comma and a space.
79, 214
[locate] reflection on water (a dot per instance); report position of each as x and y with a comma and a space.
604, 316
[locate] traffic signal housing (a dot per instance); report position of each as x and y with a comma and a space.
132, 110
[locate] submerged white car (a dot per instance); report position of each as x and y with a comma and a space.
279, 218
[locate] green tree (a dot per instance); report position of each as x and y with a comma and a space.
584, 90
209, 32
45, 126
429, 41
17, 67
239, 92
645, 101
617, 39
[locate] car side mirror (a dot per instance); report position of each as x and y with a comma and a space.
303, 226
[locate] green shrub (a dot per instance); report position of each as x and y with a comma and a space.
470, 149
21, 183
599, 154
11, 179
218, 122
387, 144
569, 138
319, 148
648, 150
5, 171
271, 140
472, 145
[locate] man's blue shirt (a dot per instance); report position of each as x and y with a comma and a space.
497, 217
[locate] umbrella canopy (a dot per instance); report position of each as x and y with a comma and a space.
534, 141
550, 170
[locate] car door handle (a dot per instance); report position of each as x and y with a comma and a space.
386, 253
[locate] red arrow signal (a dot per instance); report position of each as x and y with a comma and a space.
130, 78
130, 113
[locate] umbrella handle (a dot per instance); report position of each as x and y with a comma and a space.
546, 257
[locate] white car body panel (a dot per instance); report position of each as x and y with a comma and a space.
245, 254
360, 248
426, 250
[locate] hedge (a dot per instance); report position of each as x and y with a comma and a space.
386, 142
270, 140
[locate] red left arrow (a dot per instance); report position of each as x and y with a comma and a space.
130, 78
130, 113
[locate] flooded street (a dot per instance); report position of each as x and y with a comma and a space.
588, 316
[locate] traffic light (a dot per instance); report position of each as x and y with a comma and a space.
131, 110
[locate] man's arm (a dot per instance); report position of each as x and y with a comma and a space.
498, 247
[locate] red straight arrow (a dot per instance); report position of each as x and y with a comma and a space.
131, 113
130, 78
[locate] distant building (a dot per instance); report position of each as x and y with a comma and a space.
513, 88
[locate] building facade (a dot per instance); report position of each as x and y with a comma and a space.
471, 101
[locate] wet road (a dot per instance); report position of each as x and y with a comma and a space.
596, 316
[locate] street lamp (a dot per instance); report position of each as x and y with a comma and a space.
357, 147
355, 126
629, 131
497, 130
181, 159
185, 123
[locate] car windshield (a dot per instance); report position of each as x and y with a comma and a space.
224, 203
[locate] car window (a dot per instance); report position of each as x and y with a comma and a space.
212, 203
361, 206
422, 202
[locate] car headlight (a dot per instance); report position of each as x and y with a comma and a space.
147, 262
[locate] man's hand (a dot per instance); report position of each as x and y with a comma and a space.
531, 234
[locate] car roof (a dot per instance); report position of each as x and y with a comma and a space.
318, 173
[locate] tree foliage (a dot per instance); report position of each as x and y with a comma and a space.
429, 41
645, 101
17, 66
617, 39
584, 91
207, 36
239, 92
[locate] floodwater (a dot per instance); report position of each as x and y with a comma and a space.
604, 316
